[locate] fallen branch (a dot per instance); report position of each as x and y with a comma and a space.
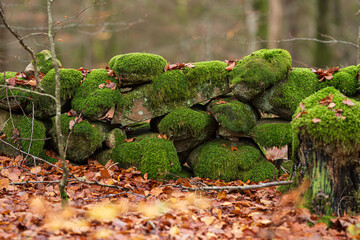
237, 188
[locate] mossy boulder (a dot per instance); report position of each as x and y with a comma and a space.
234, 117
102, 156
155, 156
173, 89
115, 137
259, 71
344, 80
93, 98
70, 80
43, 62
187, 128
336, 127
272, 132
29, 137
283, 99
136, 68
17, 99
85, 139
230, 161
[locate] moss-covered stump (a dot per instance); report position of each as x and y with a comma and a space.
259, 71
70, 80
227, 160
23, 133
137, 68
173, 89
272, 132
115, 137
187, 128
85, 139
283, 99
235, 118
43, 62
155, 156
17, 99
345, 81
96, 95
327, 133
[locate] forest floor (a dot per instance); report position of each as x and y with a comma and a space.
113, 203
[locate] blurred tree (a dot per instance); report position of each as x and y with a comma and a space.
275, 22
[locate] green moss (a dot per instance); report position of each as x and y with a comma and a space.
21, 97
170, 87
271, 135
185, 121
155, 156
44, 61
222, 159
127, 155
341, 133
84, 140
233, 115
262, 68
206, 76
135, 67
327, 220
69, 81
345, 81
159, 158
27, 130
301, 83
92, 100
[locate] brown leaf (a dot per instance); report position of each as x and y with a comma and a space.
11, 81
109, 115
130, 140
72, 113
348, 102
2, 136
231, 64
331, 105
326, 100
300, 114
102, 85
167, 67
111, 85
4, 183
302, 106
316, 120
220, 102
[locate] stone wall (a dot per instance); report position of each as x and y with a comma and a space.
211, 119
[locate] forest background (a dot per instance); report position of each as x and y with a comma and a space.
317, 33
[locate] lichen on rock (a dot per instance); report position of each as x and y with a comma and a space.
259, 71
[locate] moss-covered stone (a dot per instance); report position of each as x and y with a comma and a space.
235, 117
115, 137
154, 156
223, 159
85, 139
205, 76
259, 71
339, 128
44, 61
135, 68
31, 136
103, 156
344, 80
17, 98
286, 96
270, 133
70, 80
94, 101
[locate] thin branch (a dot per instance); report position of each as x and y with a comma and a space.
20, 39
29, 91
237, 188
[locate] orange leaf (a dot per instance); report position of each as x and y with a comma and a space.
221, 195
234, 148
129, 140
4, 183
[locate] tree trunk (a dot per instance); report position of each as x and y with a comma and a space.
334, 178
275, 23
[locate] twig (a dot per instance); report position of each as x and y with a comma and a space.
238, 188
30, 91
21, 41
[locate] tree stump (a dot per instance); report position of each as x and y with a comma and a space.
327, 139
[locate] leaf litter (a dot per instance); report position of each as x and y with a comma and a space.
140, 208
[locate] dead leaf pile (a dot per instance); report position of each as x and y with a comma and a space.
179, 66
135, 207
325, 74
21, 79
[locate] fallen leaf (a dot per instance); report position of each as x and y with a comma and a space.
231, 64
4, 183
316, 120
129, 139
331, 105
348, 102
109, 115
102, 85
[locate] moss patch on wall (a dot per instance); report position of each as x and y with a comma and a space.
134, 68
44, 61
94, 101
21, 96
273, 134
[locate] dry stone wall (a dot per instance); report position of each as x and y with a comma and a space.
205, 119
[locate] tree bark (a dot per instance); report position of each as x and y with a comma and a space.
334, 178
275, 23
